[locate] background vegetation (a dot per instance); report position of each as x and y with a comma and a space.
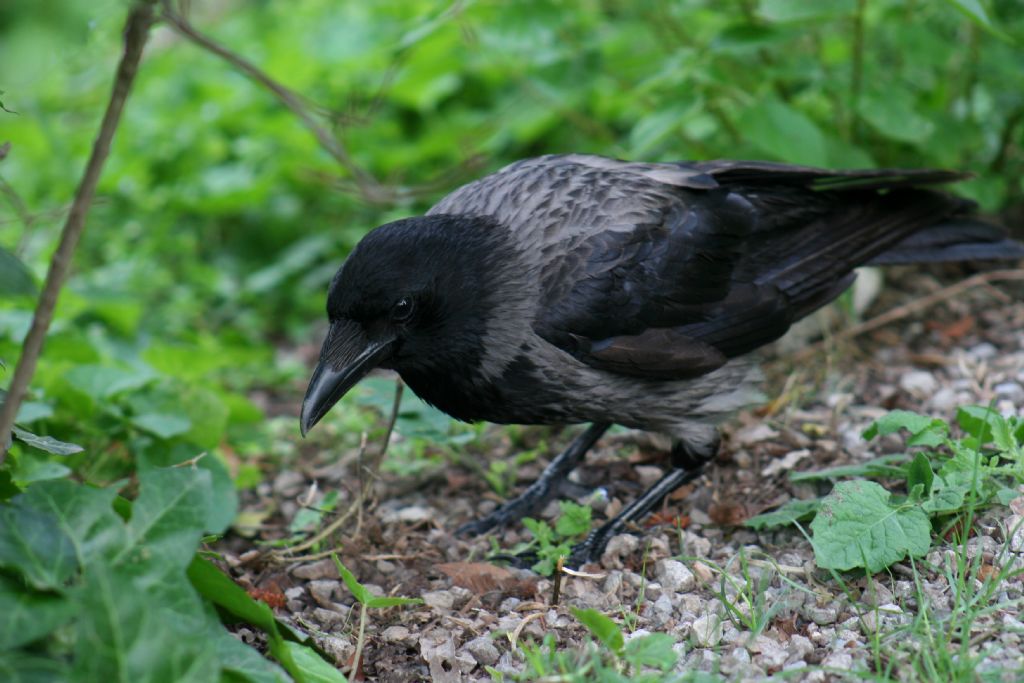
200, 281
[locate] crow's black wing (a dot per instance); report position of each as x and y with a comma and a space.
667, 270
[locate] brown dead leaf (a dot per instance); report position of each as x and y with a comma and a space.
667, 517
482, 578
954, 330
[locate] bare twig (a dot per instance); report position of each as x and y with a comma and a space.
915, 306
135, 33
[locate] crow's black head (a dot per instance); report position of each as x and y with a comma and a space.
414, 295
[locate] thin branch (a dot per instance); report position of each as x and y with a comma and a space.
372, 190
136, 31
912, 307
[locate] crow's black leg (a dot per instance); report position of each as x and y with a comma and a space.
687, 464
542, 490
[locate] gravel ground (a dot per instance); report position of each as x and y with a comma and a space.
962, 350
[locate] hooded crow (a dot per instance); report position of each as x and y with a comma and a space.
582, 289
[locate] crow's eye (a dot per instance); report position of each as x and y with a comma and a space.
402, 310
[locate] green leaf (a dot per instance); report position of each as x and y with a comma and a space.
378, 602
654, 650
574, 520
103, 381
882, 466
947, 496
793, 511
783, 132
169, 516
919, 472
163, 425
15, 278
30, 411
46, 443
311, 666
976, 12
20, 667
213, 585
801, 10
141, 624
26, 615
33, 544
244, 662
602, 628
858, 527
924, 430
978, 421
1005, 495
84, 513
358, 590
891, 113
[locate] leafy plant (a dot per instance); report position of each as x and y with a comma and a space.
551, 544
862, 525
367, 601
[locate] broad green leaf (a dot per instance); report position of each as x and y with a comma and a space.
30, 468
602, 628
1005, 495
30, 411
46, 443
216, 587
85, 514
857, 526
33, 545
21, 667
654, 650
978, 421
783, 132
243, 662
103, 381
26, 615
358, 590
140, 624
892, 115
15, 277
169, 516
163, 425
312, 666
793, 511
947, 496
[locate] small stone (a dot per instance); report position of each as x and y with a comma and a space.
442, 600
295, 592
674, 576
825, 614
328, 617
411, 514
983, 351
737, 661
1015, 525
1011, 391
619, 547
340, 649
323, 592
707, 630
877, 594
613, 583
773, 656
799, 647
944, 400
386, 567
484, 651
323, 569
397, 634
919, 383
289, 483
843, 661
703, 572
648, 475
663, 609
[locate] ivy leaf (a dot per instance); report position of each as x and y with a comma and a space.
46, 443
857, 526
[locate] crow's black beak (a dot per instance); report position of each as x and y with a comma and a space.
346, 357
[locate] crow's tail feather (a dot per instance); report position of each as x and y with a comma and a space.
958, 239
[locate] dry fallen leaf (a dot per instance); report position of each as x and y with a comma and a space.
482, 578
